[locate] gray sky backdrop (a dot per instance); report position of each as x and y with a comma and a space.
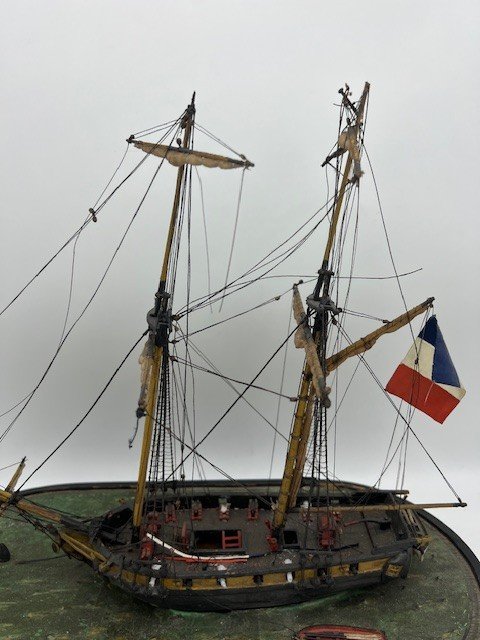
78, 77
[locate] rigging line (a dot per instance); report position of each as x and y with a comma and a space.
404, 462
227, 411
184, 376
285, 256
158, 127
92, 406
187, 320
259, 264
339, 342
14, 464
112, 177
399, 466
67, 242
234, 480
395, 277
377, 483
49, 261
279, 296
238, 287
359, 314
138, 165
179, 389
61, 511
181, 439
237, 315
338, 407
220, 375
388, 239
15, 405
239, 202
402, 439
280, 396
203, 356
217, 468
205, 131
349, 199
204, 218
278, 259
376, 379
117, 249
176, 397
391, 438
335, 277
70, 290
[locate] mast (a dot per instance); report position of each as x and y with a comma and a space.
321, 305
154, 358
159, 321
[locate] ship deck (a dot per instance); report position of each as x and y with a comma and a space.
44, 595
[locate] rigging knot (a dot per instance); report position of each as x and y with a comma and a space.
93, 214
130, 138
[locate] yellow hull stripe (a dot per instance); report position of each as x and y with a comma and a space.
269, 579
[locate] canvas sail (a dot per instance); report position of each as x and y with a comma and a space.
179, 156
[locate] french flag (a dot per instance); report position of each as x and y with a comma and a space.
426, 378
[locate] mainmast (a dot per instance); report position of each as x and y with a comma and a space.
312, 385
159, 321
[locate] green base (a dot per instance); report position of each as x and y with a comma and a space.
62, 599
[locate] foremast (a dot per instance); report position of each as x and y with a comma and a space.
154, 402
159, 321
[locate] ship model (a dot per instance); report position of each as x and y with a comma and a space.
221, 545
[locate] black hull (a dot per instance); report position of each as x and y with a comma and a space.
371, 550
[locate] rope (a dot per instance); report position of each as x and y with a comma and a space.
92, 406
408, 426
202, 355
238, 315
216, 139
65, 337
14, 464
280, 396
155, 129
224, 377
49, 261
112, 177
227, 411
70, 289
76, 233
388, 240
204, 218
260, 263
234, 236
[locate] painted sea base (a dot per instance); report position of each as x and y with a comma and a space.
62, 599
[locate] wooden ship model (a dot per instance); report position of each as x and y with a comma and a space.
221, 545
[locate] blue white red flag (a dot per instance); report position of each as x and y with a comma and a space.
426, 378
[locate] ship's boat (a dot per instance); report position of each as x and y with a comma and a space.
338, 632
198, 544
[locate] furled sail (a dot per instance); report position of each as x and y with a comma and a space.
179, 156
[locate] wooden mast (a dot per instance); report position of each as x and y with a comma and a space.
161, 302
296, 454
